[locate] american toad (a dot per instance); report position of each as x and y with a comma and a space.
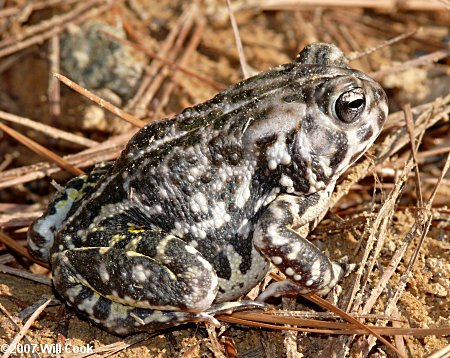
197, 207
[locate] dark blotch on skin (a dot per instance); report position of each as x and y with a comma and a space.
102, 309
222, 266
215, 149
340, 142
318, 171
285, 208
233, 154
77, 183
297, 172
297, 169
309, 124
187, 189
309, 201
266, 141
83, 295
246, 92
192, 159
244, 248
261, 114
365, 133
295, 93
195, 116
206, 177
293, 98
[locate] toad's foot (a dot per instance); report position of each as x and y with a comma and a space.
230, 307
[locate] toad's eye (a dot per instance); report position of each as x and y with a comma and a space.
349, 106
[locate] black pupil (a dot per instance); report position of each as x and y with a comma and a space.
356, 104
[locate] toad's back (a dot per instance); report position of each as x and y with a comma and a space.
198, 202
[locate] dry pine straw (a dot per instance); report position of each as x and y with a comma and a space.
396, 138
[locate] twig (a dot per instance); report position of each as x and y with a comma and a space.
293, 323
26, 326
187, 22
441, 353
346, 316
399, 339
108, 150
237, 38
414, 148
54, 22
385, 215
425, 222
175, 66
17, 324
35, 5
18, 220
27, 275
39, 38
48, 130
355, 46
423, 60
379, 4
290, 337
116, 347
368, 51
432, 152
351, 319
192, 45
137, 104
418, 230
101, 102
54, 94
6, 259
12, 60
5, 239
39, 149
446, 3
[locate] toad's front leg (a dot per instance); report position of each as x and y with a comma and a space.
308, 269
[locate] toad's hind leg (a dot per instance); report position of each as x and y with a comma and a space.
122, 319
155, 281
